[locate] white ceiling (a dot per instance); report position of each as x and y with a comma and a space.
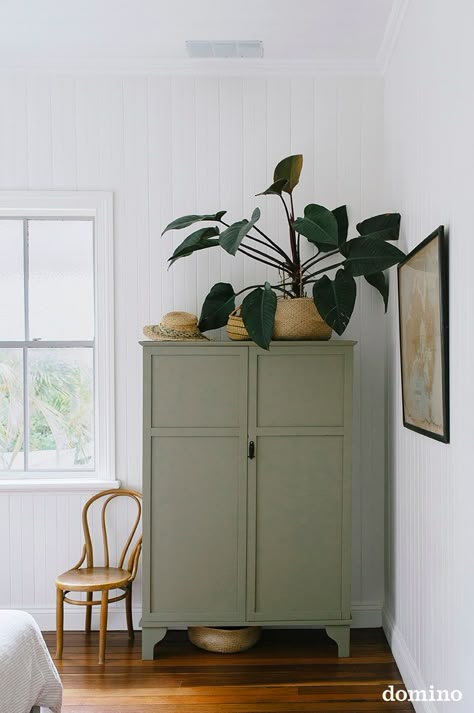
296, 30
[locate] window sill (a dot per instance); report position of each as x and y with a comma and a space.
57, 485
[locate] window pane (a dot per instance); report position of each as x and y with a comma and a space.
61, 284
11, 409
60, 383
11, 280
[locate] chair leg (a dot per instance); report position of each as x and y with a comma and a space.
59, 622
103, 625
88, 613
128, 609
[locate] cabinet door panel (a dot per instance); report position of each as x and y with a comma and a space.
197, 528
201, 390
298, 506
299, 389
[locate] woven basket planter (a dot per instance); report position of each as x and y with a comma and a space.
224, 641
298, 318
295, 318
236, 328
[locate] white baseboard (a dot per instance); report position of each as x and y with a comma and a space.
364, 615
367, 615
74, 618
409, 671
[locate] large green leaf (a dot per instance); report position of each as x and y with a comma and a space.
335, 299
319, 226
258, 313
369, 254
218, 305
199, 240
231, 237
342, 221
380, 282
289, 169
275, 189
383, 227
186, 220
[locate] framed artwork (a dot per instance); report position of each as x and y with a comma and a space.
424, 349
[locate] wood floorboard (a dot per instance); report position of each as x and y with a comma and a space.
295, 671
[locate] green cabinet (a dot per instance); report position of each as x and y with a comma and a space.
247, 489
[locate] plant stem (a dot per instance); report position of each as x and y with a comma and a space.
318, 272
269, 244
295, 239
297, 244
292, 206
315, 259
253, 287
267, 238
277, 263
265, 262
292, 231
281, 289
273, 244
286, 211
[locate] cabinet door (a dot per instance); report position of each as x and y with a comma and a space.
299, 485
197, 494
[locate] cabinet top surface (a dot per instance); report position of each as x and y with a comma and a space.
280, 343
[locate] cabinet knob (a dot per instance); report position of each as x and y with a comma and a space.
251, 449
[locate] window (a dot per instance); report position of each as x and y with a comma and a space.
56, 335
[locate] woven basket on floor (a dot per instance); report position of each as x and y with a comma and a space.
235, 327
298, 318
224, 641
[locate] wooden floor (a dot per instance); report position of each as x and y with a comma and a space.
287, 672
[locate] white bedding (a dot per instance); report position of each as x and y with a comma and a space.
28, 676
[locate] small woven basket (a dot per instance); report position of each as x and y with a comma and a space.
235, 327
224, 641
298, 318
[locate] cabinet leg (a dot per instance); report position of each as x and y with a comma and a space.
150, 637
342, 636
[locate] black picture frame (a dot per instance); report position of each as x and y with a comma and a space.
424, 354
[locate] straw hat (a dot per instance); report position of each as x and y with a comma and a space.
175, 326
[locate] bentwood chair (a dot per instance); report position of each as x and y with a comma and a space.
92, 579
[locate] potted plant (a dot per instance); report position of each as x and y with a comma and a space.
333, 297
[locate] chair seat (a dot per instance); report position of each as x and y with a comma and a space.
89, 579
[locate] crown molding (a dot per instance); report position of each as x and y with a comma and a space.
392, 31
376, 66
191, 67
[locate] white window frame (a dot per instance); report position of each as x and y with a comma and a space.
97, 205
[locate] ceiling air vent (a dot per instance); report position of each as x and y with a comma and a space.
204, 49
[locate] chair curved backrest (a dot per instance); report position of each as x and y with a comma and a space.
88, 551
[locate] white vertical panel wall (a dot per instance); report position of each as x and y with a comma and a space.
170, 145
429, 119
